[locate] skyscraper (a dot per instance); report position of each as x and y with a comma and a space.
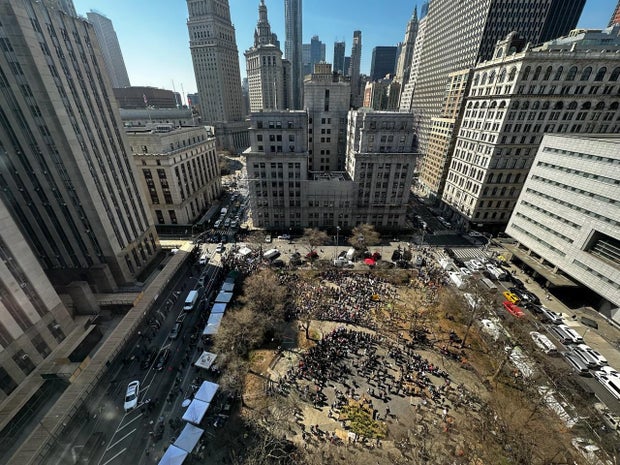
403, 64
66, 175
110, 49
213, 46
615, 17
451, 45
292, 48
339, 48
264, 67
383, 62
356, 59
312, 53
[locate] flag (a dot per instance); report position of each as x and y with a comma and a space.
146, 102
189, 101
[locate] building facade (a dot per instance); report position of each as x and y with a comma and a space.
354, 72
442, 137
215, 57
405, 57
33, 319
374, 189
67, 176
569, 85
326, 99
179, 171
339, 50
380, 161
142, 97
110, 49
383, 62
455, 45
293, 49
264, 68
568, 216
408, 87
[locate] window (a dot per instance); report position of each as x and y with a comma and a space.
526, 72
615, 74
537, 73
548, 72
7, 384
571, 74
600, 74
585, 75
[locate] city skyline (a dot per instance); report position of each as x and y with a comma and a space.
158, 59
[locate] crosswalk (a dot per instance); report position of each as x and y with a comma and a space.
463, 253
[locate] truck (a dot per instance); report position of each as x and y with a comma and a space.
350, 254
190, 301
271, 254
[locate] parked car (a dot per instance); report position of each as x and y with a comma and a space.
219, 248
131, 396
268, 239
511, 297
164, 355
176, 330
513, 309
550, 317
597, 359
148, 359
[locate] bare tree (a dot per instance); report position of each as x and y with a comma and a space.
363, 236
480, 301
264, 294
241, 331
313, 238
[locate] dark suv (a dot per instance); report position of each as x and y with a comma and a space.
164, 355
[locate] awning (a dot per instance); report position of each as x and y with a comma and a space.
189, 437
224, 297
228, 287
213, 324
218, 308
205, 360
173, 456
207, 391
196, 411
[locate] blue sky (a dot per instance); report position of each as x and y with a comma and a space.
154, 39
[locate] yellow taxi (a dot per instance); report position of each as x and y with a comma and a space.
511, 297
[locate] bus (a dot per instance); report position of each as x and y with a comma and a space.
190, 301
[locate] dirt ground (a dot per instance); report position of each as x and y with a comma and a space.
484, 413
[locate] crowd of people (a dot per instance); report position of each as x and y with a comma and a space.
341, 296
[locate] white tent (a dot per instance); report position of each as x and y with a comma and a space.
207, 391
213, 324
224, 297
205, 360
196, 411
189, 437
243, 251
218, 308
228, 287
174, 456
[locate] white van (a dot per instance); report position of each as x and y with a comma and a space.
204, 258
577, 364
612, 383
544, 343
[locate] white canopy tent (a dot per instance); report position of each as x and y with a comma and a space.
207, 391
218, 308
174, 456
228, 287
213, 324
205, 360
224, 297
196, 411
189, 437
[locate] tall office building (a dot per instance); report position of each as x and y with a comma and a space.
63, 5
67, 175
264, 68
213, 46
326, 99
566, 218
568, 85
405, 57
451, 45
356, 60
293, 49
347, 66
312, 53
615, 17
339, 48
383, 62
110, 49
406, 95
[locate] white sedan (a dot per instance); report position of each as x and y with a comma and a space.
131, 396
